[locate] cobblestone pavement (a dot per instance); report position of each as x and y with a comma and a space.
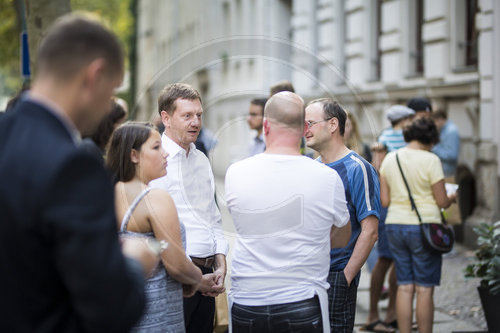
457, 304
457, 296
456, 300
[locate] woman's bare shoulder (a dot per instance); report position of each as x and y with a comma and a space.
161, 199
159, 194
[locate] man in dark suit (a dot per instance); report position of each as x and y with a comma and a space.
60, 258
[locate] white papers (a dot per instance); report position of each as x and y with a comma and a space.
450, 188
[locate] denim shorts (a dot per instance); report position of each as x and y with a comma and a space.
383, 248
415, 264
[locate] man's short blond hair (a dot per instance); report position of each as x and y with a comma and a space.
169, 94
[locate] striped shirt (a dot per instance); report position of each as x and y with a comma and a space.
362, 192
392, 138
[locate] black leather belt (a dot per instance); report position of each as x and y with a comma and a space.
203, 262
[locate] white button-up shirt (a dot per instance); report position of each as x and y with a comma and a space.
190, 182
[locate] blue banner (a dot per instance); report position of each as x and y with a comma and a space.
25, 56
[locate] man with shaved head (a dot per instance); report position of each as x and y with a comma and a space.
326, 124
288, 211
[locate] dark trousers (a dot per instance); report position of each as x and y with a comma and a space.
199, 311
302, 316
341, 302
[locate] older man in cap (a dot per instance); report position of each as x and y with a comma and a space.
399, 116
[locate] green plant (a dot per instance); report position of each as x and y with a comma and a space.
487, 265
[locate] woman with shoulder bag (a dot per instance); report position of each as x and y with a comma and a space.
416, 192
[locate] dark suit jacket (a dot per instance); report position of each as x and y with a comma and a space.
61, 265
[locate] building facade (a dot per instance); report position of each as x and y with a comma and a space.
368, 54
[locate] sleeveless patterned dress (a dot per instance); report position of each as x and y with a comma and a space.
164, 301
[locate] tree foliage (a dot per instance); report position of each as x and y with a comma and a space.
10, 29
115, 13
40, 15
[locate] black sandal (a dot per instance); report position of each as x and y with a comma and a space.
371, 327
393, 324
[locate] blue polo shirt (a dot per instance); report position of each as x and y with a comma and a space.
362, 193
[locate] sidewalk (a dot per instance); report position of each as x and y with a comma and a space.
456, 301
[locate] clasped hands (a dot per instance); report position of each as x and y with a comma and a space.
211, 284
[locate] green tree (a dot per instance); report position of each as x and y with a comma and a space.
114, 13
117, 15
39, 15
10, 29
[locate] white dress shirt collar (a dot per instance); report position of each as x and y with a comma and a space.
190, 183
173, 148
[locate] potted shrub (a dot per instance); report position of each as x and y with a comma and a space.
487, 268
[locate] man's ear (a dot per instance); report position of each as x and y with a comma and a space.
134, 156
165, 118
94, 72
265, 126
333, 124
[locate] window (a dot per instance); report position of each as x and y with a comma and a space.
226, 27
340, 26
464, 35
418, 52
375, 53
471, 33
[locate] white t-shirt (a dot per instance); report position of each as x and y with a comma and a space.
283, 208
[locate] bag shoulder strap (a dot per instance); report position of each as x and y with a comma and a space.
412, 202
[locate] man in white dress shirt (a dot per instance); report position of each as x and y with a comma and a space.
288, 211
190, 182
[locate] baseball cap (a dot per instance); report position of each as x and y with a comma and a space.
398, 112
420, 104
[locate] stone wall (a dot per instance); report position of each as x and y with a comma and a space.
365, 53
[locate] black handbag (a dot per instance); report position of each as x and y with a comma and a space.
438, 237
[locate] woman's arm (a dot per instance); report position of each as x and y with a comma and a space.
385, 192
165, 225
442, 199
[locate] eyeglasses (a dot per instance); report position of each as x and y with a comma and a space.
312, 123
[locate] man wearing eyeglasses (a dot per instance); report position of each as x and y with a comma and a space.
287, 210
326, 124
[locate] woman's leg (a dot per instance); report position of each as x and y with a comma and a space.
404, 306
391, 307
425, 309
376, 284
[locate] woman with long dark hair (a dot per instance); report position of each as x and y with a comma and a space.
135, 157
